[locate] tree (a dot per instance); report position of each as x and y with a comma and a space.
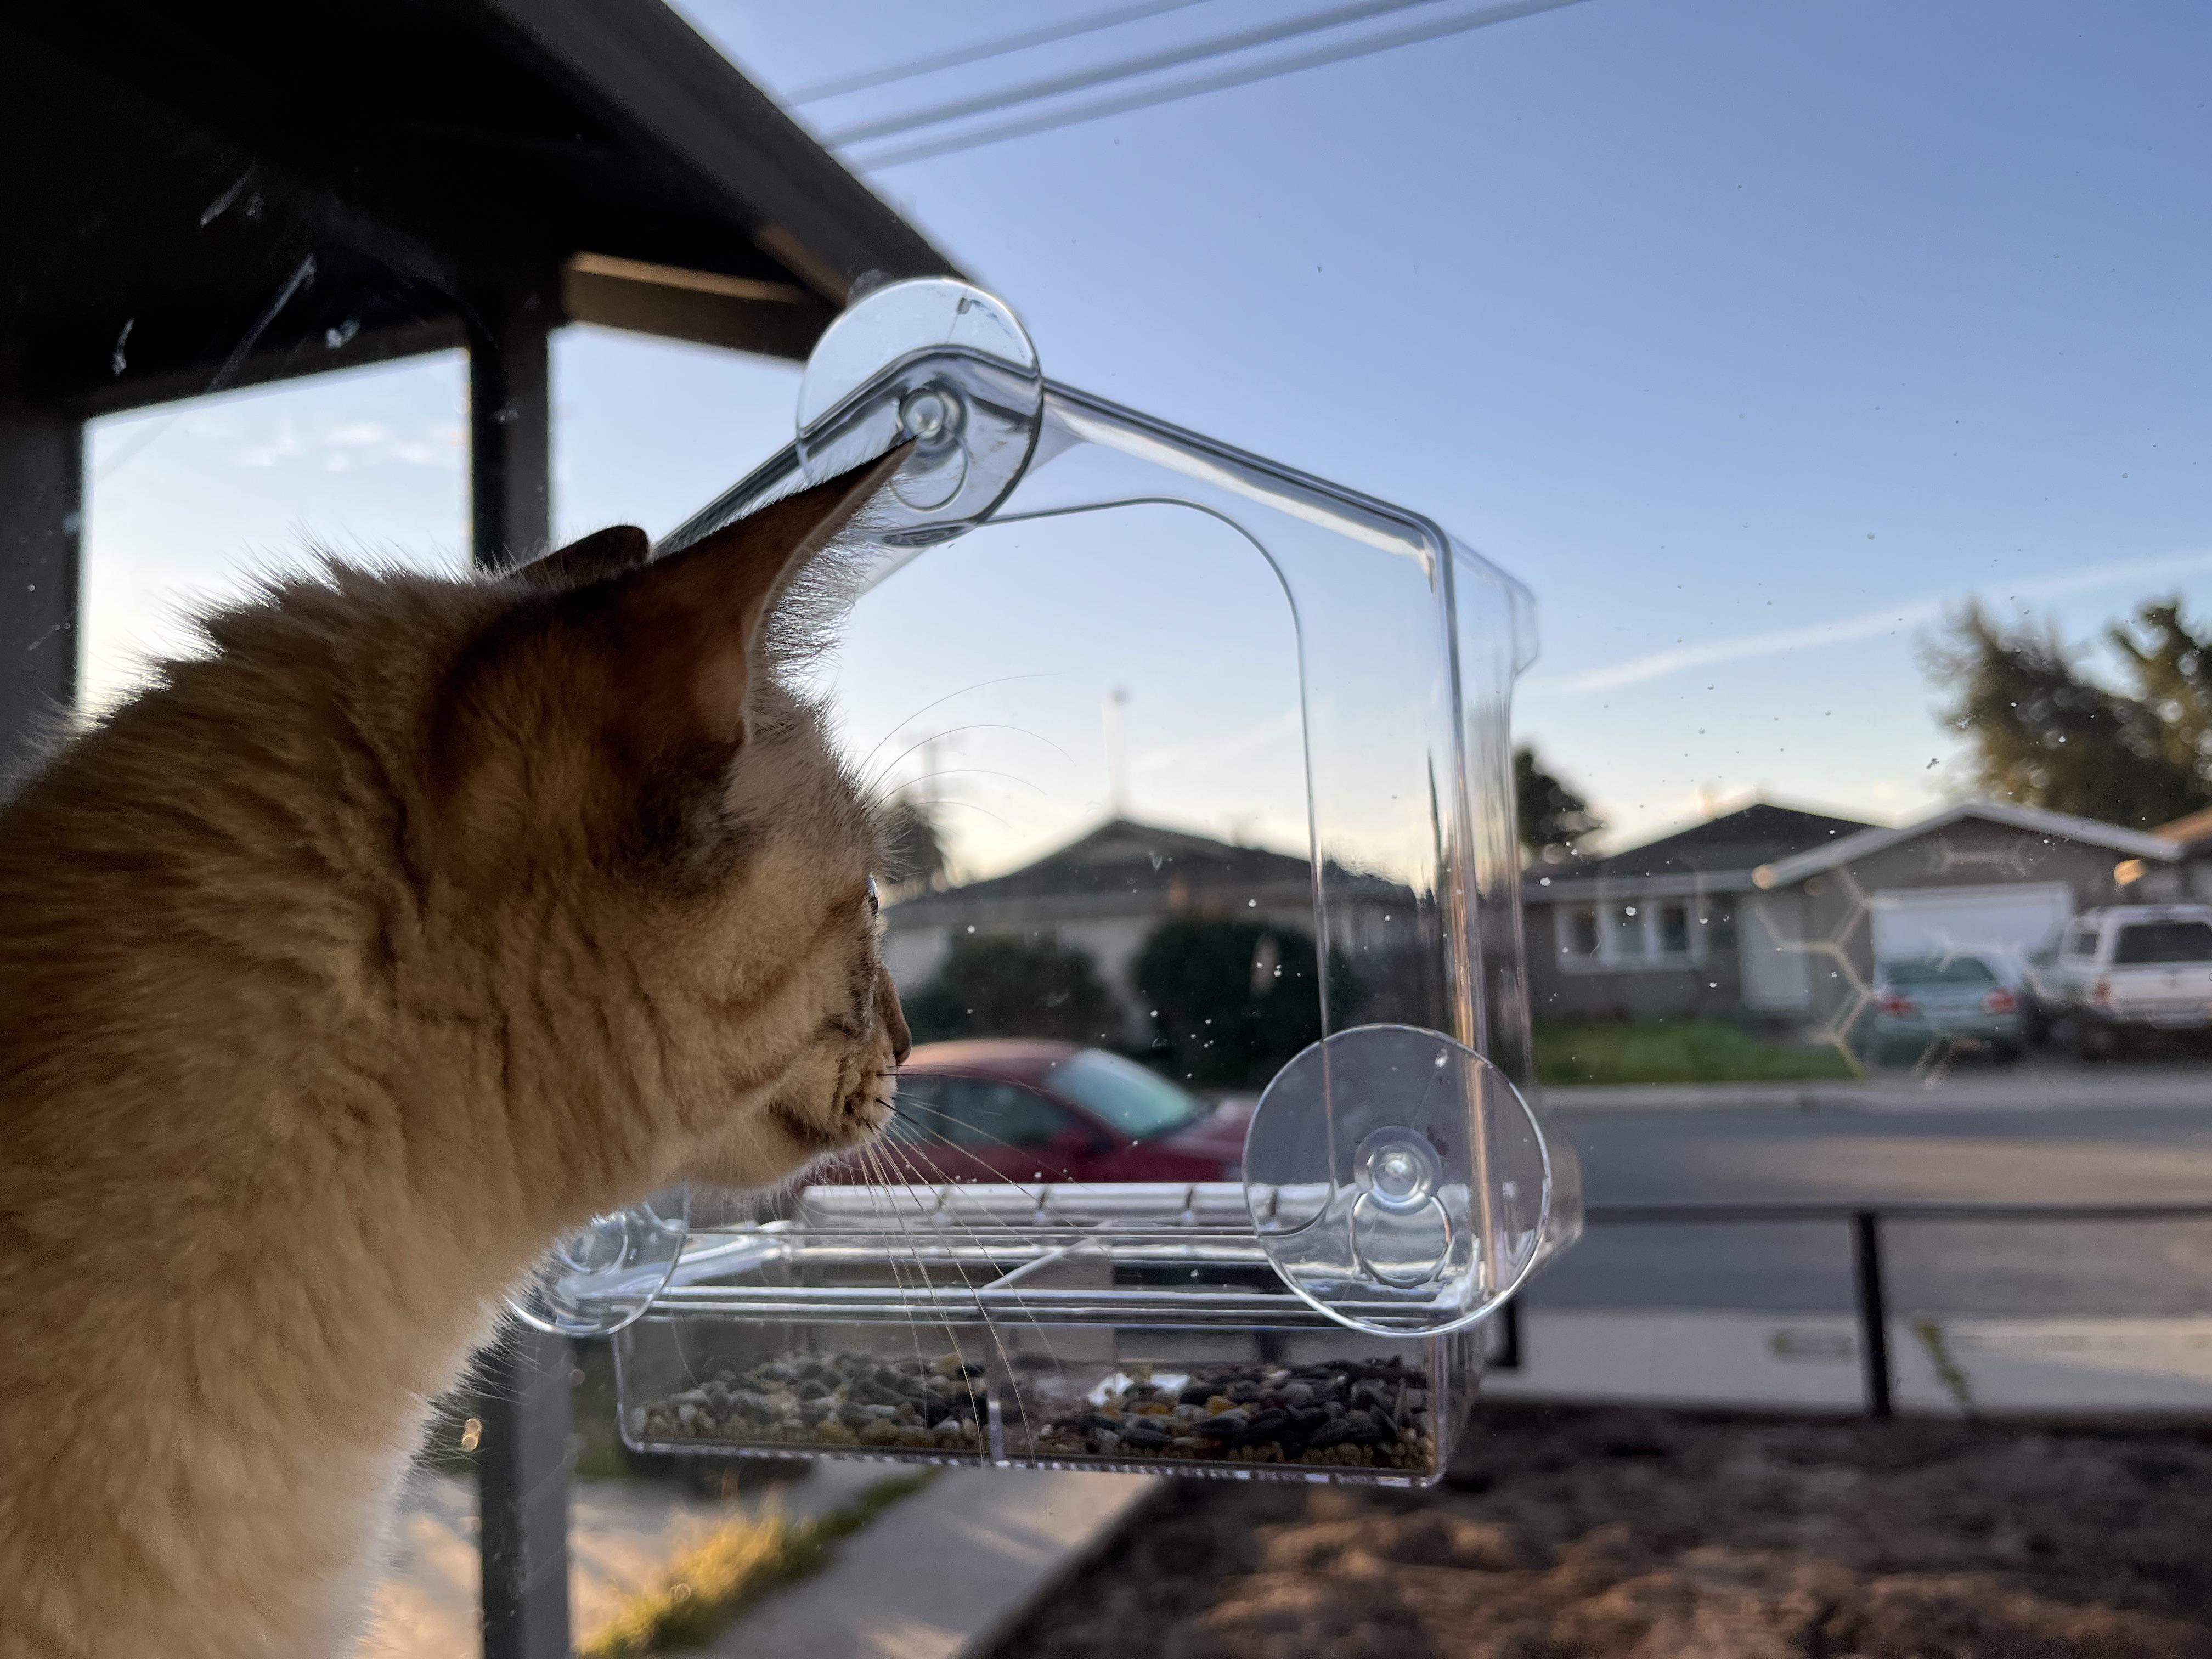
1002, 987
2045, 732
2172, 667
1231, 1001
1553, 820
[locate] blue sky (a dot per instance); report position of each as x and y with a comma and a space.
1749, 335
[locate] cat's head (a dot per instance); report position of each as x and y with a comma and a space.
643, 828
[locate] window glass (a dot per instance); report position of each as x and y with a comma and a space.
2144, 942
2083, 942
982, 1113
915, 1115
1719, 923
189, 504
1582, 931
1141, 1104
1674, 929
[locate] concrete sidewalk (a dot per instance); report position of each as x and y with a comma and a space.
622, 1535
945, 1573
2070, 1366
2029, 1087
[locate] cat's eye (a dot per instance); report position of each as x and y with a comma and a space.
875, 904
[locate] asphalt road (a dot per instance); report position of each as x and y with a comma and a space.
2086, 1154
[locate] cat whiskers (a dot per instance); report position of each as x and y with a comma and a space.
923, 1129
948, 1209
979, 685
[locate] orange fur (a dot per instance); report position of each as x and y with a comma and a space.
340, 972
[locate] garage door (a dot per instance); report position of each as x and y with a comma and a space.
2002, 922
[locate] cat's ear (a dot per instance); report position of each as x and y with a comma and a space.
688, 625
602, 554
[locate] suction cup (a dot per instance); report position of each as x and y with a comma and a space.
602, 1276
938, 362
1397, 1180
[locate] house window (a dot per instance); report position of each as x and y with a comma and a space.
1717, 923
1628, 933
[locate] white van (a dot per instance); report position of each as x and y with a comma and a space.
2135, 967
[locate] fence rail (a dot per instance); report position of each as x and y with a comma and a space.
1869, 1286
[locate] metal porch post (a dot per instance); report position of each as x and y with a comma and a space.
41, 511
1872, 1305
522, 1452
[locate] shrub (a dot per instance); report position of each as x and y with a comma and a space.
1230, 1001
1000, 986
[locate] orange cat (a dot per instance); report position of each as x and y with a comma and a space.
342, 972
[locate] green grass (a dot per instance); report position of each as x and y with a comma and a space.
731, 1567
1677, 1051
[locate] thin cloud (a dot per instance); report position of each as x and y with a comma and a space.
1846, 630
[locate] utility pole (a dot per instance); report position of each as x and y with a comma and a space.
1117, 765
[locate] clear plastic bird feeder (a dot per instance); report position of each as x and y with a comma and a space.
1053, 1260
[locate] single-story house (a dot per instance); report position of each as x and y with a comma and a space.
1104, 893
1728, 919
1658, 930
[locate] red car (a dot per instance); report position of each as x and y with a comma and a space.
1027, 1110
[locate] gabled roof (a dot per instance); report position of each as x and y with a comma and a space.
2036, 820
1155, 865
1720, 853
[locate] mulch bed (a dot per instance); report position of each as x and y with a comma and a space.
1636, 1535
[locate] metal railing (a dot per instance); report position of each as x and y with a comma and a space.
1870, 1286
524, 1470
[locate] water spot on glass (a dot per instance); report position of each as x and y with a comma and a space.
115, 359
221, 205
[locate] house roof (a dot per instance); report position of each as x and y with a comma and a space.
2061, 826
259, 188
1156, 866
1720, 853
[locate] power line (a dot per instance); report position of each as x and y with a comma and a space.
892, 127
976, 138
988, 48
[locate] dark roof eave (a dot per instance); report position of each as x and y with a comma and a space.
639, 60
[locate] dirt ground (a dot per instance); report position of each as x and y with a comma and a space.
1636, 1534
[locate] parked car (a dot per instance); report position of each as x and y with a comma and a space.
1018, 1110
2136, 968
1949, 999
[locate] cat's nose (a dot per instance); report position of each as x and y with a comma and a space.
887, 1000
